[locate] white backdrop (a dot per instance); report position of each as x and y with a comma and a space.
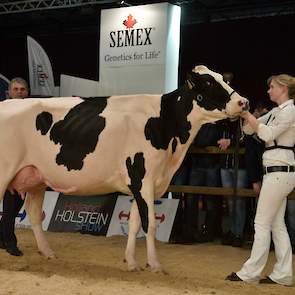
141, 57
22, 219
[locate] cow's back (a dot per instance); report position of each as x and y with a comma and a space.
102, 169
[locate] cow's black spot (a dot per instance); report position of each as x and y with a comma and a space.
136, 172
175, 107
172, 122
174, 145
78, 132
44, 122
209, 94
91, 98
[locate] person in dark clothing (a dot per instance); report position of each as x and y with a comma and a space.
199, 170
205, 171
233, 175
12, 202
179, 234
254, 148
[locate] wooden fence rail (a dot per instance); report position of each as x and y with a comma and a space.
216, 191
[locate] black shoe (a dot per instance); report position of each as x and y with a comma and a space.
267, 280
227, 239
2, 246
14, 251
184, 240
204, 237
233, 277
237, 241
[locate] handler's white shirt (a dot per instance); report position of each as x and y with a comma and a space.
279, 125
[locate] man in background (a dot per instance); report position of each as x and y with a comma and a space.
12, 202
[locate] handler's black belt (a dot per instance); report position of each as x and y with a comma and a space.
270, 169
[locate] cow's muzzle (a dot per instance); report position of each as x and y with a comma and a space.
244, 103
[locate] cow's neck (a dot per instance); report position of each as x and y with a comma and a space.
195, 119
189, 116
199, 116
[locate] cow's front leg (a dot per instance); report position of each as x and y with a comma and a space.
152, 257
33, 205
143, 192
134, 227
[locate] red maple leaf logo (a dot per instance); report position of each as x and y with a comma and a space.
129, 22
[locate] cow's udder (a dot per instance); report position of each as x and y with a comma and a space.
27, 180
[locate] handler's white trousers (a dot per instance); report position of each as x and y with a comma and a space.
269, 218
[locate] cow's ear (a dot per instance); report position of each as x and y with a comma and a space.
189, 81
190, 84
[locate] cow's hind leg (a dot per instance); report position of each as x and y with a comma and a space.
33, 205
134, 227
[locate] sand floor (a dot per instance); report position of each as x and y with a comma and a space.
90, 265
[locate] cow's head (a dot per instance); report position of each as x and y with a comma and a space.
212, 93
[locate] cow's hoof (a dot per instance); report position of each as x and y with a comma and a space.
156, 269
53, 256
48, 254
134, 268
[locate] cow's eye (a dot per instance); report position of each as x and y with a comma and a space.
208, 83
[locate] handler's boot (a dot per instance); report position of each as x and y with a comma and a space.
12, 249
2, 246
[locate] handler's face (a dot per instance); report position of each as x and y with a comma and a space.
18, 90
276, 91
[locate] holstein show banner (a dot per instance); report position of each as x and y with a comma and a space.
85, 214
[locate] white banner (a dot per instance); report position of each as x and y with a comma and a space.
22, 219
133, 35
139, 49
4, 82
165, 210
41, 76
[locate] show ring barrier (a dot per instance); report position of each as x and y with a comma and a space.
216, 191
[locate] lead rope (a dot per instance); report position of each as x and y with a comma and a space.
242, 133
236, 158
238, 137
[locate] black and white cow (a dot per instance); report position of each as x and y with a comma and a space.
131, 144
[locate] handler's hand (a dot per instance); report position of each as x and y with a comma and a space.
245, 115
223, 143
256, 187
